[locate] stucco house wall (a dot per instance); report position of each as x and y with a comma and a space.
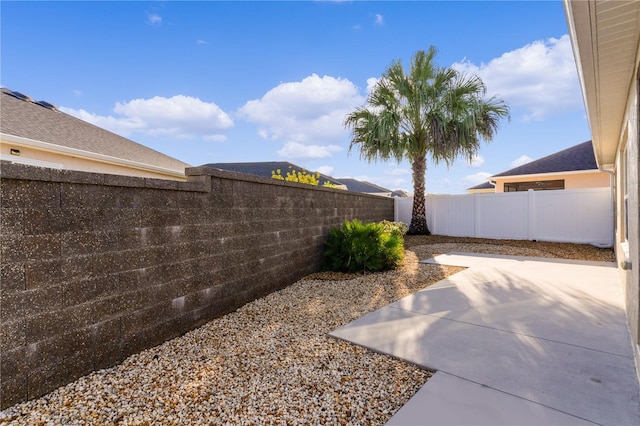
39, 134
59, 160
572, 180
605, 37
627, 195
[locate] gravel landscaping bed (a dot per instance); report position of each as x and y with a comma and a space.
270, 362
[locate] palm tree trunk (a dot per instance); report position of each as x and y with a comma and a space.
418, 224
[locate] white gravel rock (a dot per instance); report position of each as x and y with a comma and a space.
270, 362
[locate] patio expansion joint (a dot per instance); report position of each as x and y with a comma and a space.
511, 332
510, 394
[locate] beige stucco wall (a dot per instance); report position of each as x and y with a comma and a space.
69, 162
481, 191
630, 278
572, 180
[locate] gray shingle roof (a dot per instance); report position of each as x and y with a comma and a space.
33, 121
363, 186
483, 185
264, 169
575, 158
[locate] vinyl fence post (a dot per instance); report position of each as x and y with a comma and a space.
476, 215
531, 220
395, 209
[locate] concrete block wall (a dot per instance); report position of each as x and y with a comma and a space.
97, 267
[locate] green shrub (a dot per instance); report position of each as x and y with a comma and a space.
399, 228
357, 246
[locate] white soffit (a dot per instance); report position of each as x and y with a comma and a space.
605, 35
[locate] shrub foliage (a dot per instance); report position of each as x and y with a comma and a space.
302, 177
366, 247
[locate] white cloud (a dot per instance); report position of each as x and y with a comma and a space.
438, 186
154, 19
181, 117
540, 77
396, 171
295, 150
215, 138
77, 92
379, 19
305, 111
121, 125
523, 159
475, 179
476, 162
371, 83
325, 170
201, 42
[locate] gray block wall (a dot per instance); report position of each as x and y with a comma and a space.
97, 267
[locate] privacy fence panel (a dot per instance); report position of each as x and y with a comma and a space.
451, 215
502, 215
580, 216
576, 216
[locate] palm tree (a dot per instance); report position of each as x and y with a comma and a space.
432, 110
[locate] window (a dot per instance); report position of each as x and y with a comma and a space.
538, 185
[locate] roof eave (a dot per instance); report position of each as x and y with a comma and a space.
605, 107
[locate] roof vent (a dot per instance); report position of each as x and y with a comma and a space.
20, 96
47, 105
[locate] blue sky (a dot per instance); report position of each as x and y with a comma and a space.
236, 81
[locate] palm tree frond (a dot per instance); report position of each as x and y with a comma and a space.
430, 110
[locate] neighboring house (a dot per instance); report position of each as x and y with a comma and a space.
267, 168
606, 44
483, 188
571, 168
39, 134
364, 187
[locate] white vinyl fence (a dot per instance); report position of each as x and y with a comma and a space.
574, 216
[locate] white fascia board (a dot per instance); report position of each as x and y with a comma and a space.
31, 162
46, 146
535, 175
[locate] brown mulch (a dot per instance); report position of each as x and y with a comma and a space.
426, 246
558, 250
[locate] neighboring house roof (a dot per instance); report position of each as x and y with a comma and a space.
46, 127
576, 158
363, 186
265, 169
400, 193
483, 185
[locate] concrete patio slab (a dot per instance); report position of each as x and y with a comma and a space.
551, 333
450, 400
455, 259
517, 309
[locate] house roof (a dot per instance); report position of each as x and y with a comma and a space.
42, 122
576, 158
363, 186
483, 185
400, 193
265, 168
